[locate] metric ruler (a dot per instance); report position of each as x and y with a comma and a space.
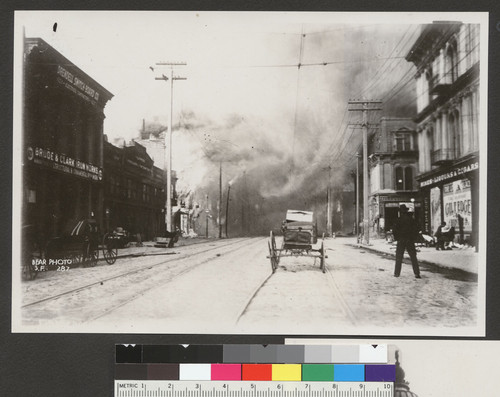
154, 388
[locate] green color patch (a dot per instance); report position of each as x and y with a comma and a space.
317, 372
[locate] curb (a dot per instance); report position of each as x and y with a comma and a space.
423, 261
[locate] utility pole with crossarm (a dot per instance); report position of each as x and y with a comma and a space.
168, 138
366, 106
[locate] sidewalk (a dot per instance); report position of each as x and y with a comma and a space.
465, 259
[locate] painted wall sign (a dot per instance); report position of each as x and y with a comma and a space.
435, 202
454, 173
457, 202
60, 162
77, 85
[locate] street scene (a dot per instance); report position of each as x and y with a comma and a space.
249, 173
231, 280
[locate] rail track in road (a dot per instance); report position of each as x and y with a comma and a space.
136, 271
333, 288
171, 268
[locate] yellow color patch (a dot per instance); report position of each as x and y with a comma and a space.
287, 372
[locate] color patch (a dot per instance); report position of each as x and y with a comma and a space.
373, 354
345, 354
380, 373
287, 372
317, 354
236, 354
182, 354
226, 372
195, 372
128, 353
317, 372
131, 372
257, 372
163, 371
290, 354
349, 373
261, 354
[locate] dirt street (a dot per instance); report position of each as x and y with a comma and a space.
227, 286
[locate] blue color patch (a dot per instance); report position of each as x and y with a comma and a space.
349, 373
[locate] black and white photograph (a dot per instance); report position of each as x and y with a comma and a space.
182, 172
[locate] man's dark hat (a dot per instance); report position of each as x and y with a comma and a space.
403, 208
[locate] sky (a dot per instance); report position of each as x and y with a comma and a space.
245, 102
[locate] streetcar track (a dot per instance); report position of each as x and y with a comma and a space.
252, 297
135, 271
333, 287
163, 282
336, 292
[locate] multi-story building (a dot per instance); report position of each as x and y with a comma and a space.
154, 142
134, 191
393, 157
446, 56
63, 116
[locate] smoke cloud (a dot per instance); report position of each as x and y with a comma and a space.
287, 160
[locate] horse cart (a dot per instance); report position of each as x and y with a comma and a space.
82, 244
300, 238
79, 247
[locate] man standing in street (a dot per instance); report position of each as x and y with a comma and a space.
406, 233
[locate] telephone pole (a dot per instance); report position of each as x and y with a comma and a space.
227, 206
220, 199
365, 108
168, 137
329, 228
206, 216
357, 196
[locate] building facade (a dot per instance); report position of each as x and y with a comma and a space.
154, 142
393, 165
446, 56
134, 191
63, 116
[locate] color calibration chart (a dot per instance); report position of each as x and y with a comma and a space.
253, 371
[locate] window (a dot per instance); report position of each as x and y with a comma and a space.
451, 63
454, 133
399, 179
402, 142
404, 178
408, 178
429, 86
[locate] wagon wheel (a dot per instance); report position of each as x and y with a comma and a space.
28, 270
322, 264
76, 258
91, 256
109, 249
272, 254
275, 250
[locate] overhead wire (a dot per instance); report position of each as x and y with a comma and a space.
375, 78
392, 94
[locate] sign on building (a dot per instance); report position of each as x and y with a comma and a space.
457, 202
